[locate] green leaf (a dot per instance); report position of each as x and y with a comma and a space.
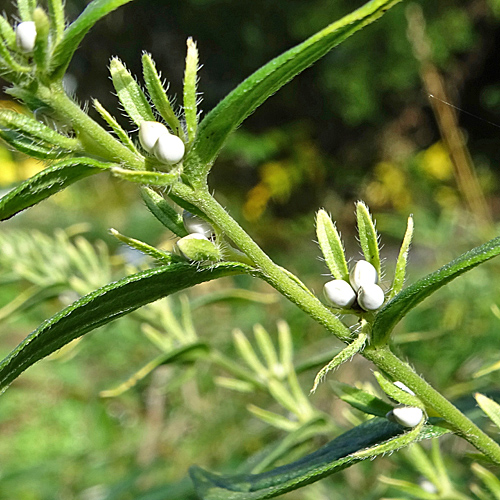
190, 95
347, 353
105, 305
251, 93
75, 32
33, 138
57, 23
130, 94
401, 396
7, 33
368, 237
117, 129
361, 400
400, 273
367, 440
490, 407
159, 95
155, 253
41, 51
488, 478
46, 183
164, 212
161, 179
410, 297
331, 246
26, 9
183, 354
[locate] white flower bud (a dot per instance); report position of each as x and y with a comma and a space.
339, 293
26, 36
403, 387
407, 416
370, 297
363, 273
149, 133
196, 225
169, 148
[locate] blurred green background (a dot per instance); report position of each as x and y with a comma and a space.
358, 125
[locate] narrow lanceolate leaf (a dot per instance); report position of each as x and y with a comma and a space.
396, 393
401, 263
343, 356
164, 212
34, 138
158, 255
410, 297
26, 9
490, 407
368, 238
331, 246
115, 126
7, 33
144, 177
75, 32
190, 97
251, 93
158, 95
488, 478
46, 183
368, 440
104, 305
131, 96
361, 400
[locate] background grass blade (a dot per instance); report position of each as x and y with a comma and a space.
399, 306
46, 183
252, 92
104, 305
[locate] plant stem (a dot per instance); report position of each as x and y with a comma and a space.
387, 361
273, 273
95, 139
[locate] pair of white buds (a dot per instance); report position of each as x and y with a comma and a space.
26, 36
407, 416
156, 139
362, 286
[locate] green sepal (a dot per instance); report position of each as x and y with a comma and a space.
394, 392
488, 478
490, 407
361, 400
368, 440
7, 34
159, 95
129, 93
41, 50
252, 92
190, 94
331, 246
400, 272
46, 183
57, 22
158, 255
115, 126
10, 69
75, 32
368, 238
396, 309
105, 305
34, 138
26, 9
163, 211
198, 250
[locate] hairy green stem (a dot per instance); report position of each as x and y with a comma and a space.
382, 357
388, 362
93, 137
273, 273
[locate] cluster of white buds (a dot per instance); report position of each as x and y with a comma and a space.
26, 36
156, 139
362, 287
